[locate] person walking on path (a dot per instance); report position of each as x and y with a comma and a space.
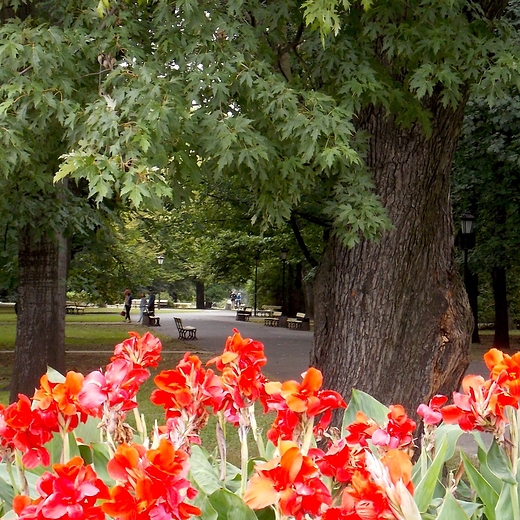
142, 306
128, 305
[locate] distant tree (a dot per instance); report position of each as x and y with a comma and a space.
486, 180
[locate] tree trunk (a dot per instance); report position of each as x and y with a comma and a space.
501, 339
40, 330
199, 289
393, 317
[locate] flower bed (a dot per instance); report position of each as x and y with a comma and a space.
67, 451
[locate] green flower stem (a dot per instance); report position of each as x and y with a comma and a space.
244, 455
256, 434
65, 452
222, 446
23, 488
307, 435
140, 424
9, 468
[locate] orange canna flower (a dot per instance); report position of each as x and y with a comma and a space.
505, 369
290, 482
63, 396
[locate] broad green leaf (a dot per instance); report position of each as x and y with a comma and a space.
504, 506
6, 490
89, 431
100, 458
54, 376
483, 489
452, 433
451, 509
230, 507
361, 401
267, 513
203, 472
426, 488
202, 502
489, 476
499, 464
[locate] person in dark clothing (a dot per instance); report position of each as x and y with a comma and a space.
128, 305
151, 303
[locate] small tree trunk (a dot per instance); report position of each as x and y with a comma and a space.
199, 288
40, 330
501, 339
393, 317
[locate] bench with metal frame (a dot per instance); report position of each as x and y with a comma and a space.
273, 320
185, 331
298, 322
244, 314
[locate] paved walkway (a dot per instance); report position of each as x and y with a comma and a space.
287, 350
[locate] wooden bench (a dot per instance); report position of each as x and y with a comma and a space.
151, 320
298, 322
185, 332
74, 308
244, 314
273, 320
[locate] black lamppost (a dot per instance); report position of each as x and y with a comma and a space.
283, 256
467, 221
160, 261
257, 257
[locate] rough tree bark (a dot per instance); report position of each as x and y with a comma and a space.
40, 330
392, 318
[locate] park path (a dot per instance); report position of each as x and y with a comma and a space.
287, 350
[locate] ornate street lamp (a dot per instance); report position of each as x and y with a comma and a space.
257, 257
467, 224
160, 261
283, 256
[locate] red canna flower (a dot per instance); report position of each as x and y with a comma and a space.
290, 482
480, 407
241, 365
241, 352
297, 403
398, 430
186, 393
27, 430
340, 461
431, 413
151, 484
142, 351
361, 430
117, 387
61, 400
71, 491
381, 489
